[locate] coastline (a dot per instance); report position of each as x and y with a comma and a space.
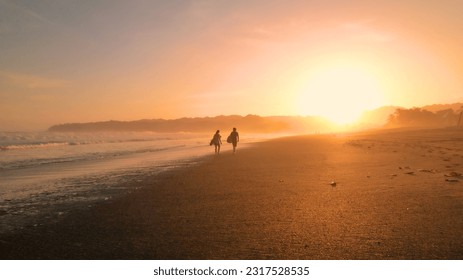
392, 200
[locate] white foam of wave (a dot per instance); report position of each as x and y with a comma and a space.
14, 141
32, 146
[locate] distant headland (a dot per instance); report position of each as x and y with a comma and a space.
248, 123
431, 116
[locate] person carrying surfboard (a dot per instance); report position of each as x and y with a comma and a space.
234, 138
216, 141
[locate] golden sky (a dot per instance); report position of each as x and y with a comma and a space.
79, 61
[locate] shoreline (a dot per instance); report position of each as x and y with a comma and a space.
274, 200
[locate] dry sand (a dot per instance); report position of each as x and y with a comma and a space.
398, 195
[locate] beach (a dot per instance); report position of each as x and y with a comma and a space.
381, 195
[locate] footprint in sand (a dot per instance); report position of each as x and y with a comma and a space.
427, 170
452, 180
406, 167
454, 174
453, 177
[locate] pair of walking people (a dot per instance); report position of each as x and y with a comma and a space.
233, 138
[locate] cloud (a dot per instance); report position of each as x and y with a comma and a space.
16, 18
362, 30
16, 7
32, 81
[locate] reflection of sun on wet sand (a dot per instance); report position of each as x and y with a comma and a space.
398, 195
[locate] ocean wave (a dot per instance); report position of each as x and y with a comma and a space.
20, 150
37, 162
29, 146
27, 142
33, 162
44, 145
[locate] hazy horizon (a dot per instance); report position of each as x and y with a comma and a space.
66, 61
373, 118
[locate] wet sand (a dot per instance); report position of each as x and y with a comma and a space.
398, 195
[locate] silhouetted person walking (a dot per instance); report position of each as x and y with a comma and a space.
234, 139
217, 141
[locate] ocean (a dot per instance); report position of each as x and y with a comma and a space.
44, 175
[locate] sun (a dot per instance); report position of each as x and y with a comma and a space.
340, 94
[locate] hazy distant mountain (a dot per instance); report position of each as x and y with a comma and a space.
249, 123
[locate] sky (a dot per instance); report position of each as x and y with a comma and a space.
67, 61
